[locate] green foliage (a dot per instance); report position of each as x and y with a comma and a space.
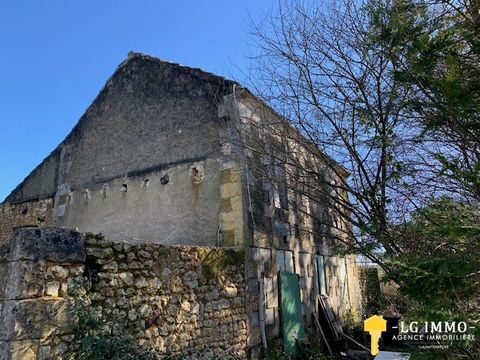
310, 353
214, 263
305, 352
438, 268
437, 281
103, 347
441, 254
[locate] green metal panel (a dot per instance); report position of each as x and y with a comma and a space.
292, 321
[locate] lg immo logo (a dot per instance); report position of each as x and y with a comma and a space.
422, 333
375, 325
435, 331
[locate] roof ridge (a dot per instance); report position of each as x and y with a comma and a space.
195, 70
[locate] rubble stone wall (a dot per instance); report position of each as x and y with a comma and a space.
173, 300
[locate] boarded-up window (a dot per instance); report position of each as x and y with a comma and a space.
282, 231
320, 274
280, 197
284, 261
343, 280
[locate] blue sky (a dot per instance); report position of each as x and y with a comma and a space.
55, 56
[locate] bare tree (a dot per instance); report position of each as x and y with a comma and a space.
323, 69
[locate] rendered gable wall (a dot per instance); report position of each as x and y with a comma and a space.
145, 162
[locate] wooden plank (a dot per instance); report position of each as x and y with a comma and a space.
333, 322
355, 342
322, 333
330, 316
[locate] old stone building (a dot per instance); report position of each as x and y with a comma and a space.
172, 155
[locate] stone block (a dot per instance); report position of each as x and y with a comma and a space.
57, 272
260, 255
237, 204
127, 278
270, 316
4, 266
270, 292
231, 176
228, 237
254, 319
52, 289
50, 244
33, 319
191, 279
252, 286
100, 253
212, 295
230, 291
20, 350
25, 280
230, 190
226, 205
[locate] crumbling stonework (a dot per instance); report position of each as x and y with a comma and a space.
176, 296
177, 300
288, 228
29, 213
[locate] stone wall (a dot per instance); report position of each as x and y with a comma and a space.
370, 289
35, 270
262, 273
30, 213
290, 217
175, 300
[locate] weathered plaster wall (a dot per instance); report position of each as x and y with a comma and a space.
148, 114
189, 203
30, 213
183, 210
152, 118
175, 300
42, 181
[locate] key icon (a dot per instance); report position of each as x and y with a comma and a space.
374, 325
